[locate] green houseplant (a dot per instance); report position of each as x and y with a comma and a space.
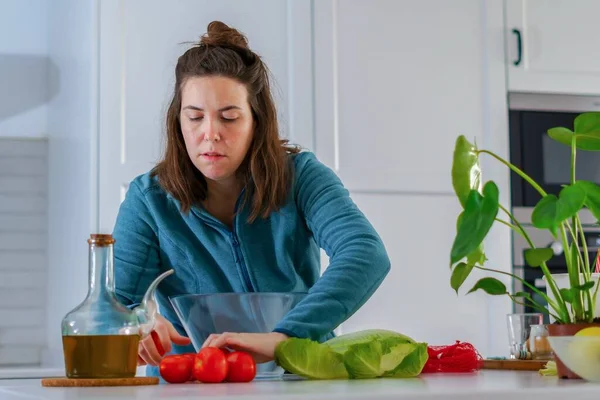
573, 305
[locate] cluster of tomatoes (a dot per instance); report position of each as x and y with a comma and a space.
209, 365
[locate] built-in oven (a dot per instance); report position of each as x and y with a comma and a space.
547, 162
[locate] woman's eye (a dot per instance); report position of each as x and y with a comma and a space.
226, 119
195, 118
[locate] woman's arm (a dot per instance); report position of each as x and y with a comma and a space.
358, 258
137, 264
136, 250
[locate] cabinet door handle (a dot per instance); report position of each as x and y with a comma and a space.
519, 47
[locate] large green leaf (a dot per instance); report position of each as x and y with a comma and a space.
340, 344
568, 295
536, 257
480, 212
551, 211
363, 360
477, 256
592, 196
587, 140
490, 285
466, 172
587, 123
412, 364
395, 356
524, 295
459, 275
586, 286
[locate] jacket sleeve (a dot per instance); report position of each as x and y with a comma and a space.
358, 258
136, 249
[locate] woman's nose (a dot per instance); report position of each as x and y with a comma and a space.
210, 131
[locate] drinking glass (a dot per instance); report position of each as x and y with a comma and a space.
519, 330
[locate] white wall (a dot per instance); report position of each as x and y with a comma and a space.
27, 78
71, 137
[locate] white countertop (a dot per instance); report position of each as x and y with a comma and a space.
492, 385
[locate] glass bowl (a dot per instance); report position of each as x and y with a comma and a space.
581, 354
203, 314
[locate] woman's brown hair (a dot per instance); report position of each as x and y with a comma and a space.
224, 51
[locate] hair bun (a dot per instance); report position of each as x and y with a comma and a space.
220, 34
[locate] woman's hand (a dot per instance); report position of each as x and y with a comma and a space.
165, 333
261, 346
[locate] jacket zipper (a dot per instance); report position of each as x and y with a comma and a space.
236, 245
238, 257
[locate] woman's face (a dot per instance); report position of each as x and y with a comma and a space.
217, 125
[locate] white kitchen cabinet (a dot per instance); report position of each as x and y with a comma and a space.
558, 41
396, 82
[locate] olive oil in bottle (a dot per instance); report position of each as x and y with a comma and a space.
101, 356
101, 335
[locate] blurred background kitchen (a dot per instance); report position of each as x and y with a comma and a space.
378, 89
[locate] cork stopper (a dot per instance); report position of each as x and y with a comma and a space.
101, 239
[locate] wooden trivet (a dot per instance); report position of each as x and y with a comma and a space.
68, 382
515, 365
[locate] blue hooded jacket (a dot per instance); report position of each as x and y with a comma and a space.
277, 254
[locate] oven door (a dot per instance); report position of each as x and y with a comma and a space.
545, 160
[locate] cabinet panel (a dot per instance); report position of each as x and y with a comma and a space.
416, 298
396, 82
558, 38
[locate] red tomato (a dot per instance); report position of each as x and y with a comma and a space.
242, 367
176, 368
210, 365
192, 357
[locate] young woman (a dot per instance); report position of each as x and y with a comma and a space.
234, 208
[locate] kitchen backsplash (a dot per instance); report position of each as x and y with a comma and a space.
23, 250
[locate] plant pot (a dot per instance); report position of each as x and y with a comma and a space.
566, 330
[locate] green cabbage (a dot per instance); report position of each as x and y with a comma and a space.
360, 355
310, 359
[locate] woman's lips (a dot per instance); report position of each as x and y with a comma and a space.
212, 156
